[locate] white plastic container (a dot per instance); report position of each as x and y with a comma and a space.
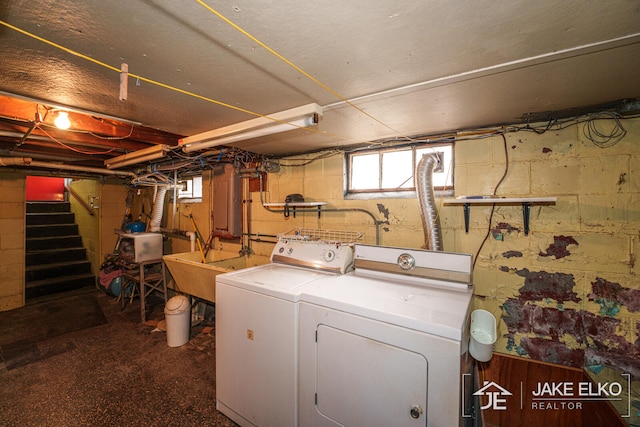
177, 314
145, 246
483, 335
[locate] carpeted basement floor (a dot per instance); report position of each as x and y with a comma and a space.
78, 359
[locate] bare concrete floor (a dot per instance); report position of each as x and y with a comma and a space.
117, 373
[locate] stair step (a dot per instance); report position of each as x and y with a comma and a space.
48, 256
42, 207
51, 231
59, 284
55, 259
50, 218
64, 242
58, 269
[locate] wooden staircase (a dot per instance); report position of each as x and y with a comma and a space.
55, 260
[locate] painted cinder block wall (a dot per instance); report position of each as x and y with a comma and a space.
12, 235
568, 293
88, 225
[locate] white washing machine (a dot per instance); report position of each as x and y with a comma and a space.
257, 330
386, 345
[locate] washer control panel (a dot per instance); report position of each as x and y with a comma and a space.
317, 255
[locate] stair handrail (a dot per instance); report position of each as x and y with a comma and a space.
79, 199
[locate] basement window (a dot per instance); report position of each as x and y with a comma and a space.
390, 172
191, 190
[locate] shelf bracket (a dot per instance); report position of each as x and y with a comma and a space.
526, 213
293, 209
467, 214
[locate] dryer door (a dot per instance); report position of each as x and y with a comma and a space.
364, 382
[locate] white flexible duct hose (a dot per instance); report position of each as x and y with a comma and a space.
158, 209
427, 202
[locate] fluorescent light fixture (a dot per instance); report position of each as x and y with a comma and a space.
152, 153
62, 121
295, 118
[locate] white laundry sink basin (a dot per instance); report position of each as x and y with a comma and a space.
192, 276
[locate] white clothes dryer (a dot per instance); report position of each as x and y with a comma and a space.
386, 345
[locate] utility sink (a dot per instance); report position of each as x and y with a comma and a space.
192, 276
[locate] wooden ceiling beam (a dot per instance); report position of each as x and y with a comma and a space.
20, 109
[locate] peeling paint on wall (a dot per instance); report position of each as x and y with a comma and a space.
608, 293
621, 180
502, 227
552, 352
539, 285
558, 248
384, 211
582, 311
548, 326
512, 254
498, 232
585, 327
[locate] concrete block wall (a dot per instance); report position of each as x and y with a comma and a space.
323, 181
12, 239
113, 196
568, 293
88, 225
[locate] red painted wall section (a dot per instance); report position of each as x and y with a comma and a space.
44, 189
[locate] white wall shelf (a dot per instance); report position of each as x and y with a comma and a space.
526, 203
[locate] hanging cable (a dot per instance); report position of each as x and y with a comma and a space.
294, 66
68, 147
600, 138
495, 192
166, 86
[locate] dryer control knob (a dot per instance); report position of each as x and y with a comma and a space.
416, 411
406, 262
329, 256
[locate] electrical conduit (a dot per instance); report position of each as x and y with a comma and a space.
26, 161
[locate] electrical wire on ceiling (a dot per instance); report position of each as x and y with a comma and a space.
589, 121
68, 147
601, 138
307, 161
39, 124
591, 132
295, 67
169, 87
95, 135
113, 138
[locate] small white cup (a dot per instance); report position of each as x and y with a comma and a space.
483, 335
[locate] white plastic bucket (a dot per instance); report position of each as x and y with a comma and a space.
483, 335
177, 313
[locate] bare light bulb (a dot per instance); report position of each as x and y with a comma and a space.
62, 121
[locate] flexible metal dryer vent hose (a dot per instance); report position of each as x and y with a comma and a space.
427, 202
